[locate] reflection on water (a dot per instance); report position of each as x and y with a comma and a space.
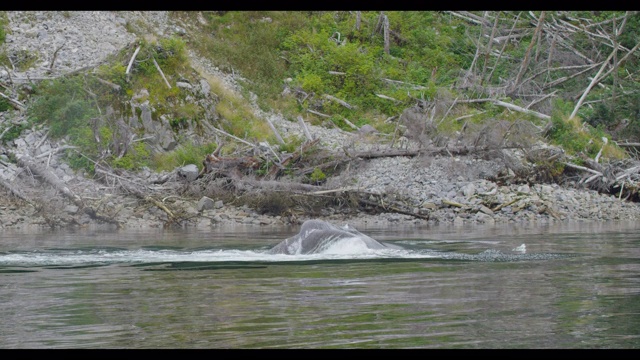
571, 287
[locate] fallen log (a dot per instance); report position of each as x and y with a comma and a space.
15, 103
139, 194
27, 162
17, 193
160, 71
392, 208
135, 53
341, 102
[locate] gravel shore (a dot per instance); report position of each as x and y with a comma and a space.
446, 189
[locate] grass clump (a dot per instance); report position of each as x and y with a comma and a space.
188, 153
577, 137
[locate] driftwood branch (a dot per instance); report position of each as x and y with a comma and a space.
17, 193
318, 113
398, 82
55, 56
304, 128
160, 71
5, 131
275, 132
341, 102
596, 79
109, 83
509, 106
15, 103
232, 136
135, 53
527, 56
352, 125
388, 98
50, 178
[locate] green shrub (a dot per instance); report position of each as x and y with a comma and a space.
188, 153
135, 158
4, 105
317, 176
62, 104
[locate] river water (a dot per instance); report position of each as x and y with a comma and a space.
554, 286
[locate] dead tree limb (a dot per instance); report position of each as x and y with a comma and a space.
5, 131
478, 46
275, 132
527, 55
392, 208
469, 17
55, 56
541, 99
386, 34
388, 98
504, 45
27, 162
304, 128
567, 78
352, 125
160, 71
595, 80
509, 106
17, 193
318, 113
521, 109
341, 102
15, 103
110, 84
413, 86
232, 136
488, 50
135, 53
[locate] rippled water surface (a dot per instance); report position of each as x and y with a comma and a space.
569, 286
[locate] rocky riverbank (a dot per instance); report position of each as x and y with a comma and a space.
443, 189
436, 188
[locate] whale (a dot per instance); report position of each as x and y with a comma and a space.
317, 236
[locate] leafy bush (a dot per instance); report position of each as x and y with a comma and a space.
4, 105
317, 176
13, 133
63, 105
136, 158
188, 153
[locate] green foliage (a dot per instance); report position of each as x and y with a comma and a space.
14, 132
88, 148
136, 158
188, 153
311, 83
291, 144
317, 176
24, 59
4, 105
577, 137
306, 46
3, 23
114, 73
62, 104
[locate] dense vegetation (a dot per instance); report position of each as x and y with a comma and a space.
348, 68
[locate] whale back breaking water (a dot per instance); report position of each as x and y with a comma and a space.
318, 236
316, 241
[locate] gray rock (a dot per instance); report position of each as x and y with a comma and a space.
205, 203
71, 209
188, 172
184, 85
